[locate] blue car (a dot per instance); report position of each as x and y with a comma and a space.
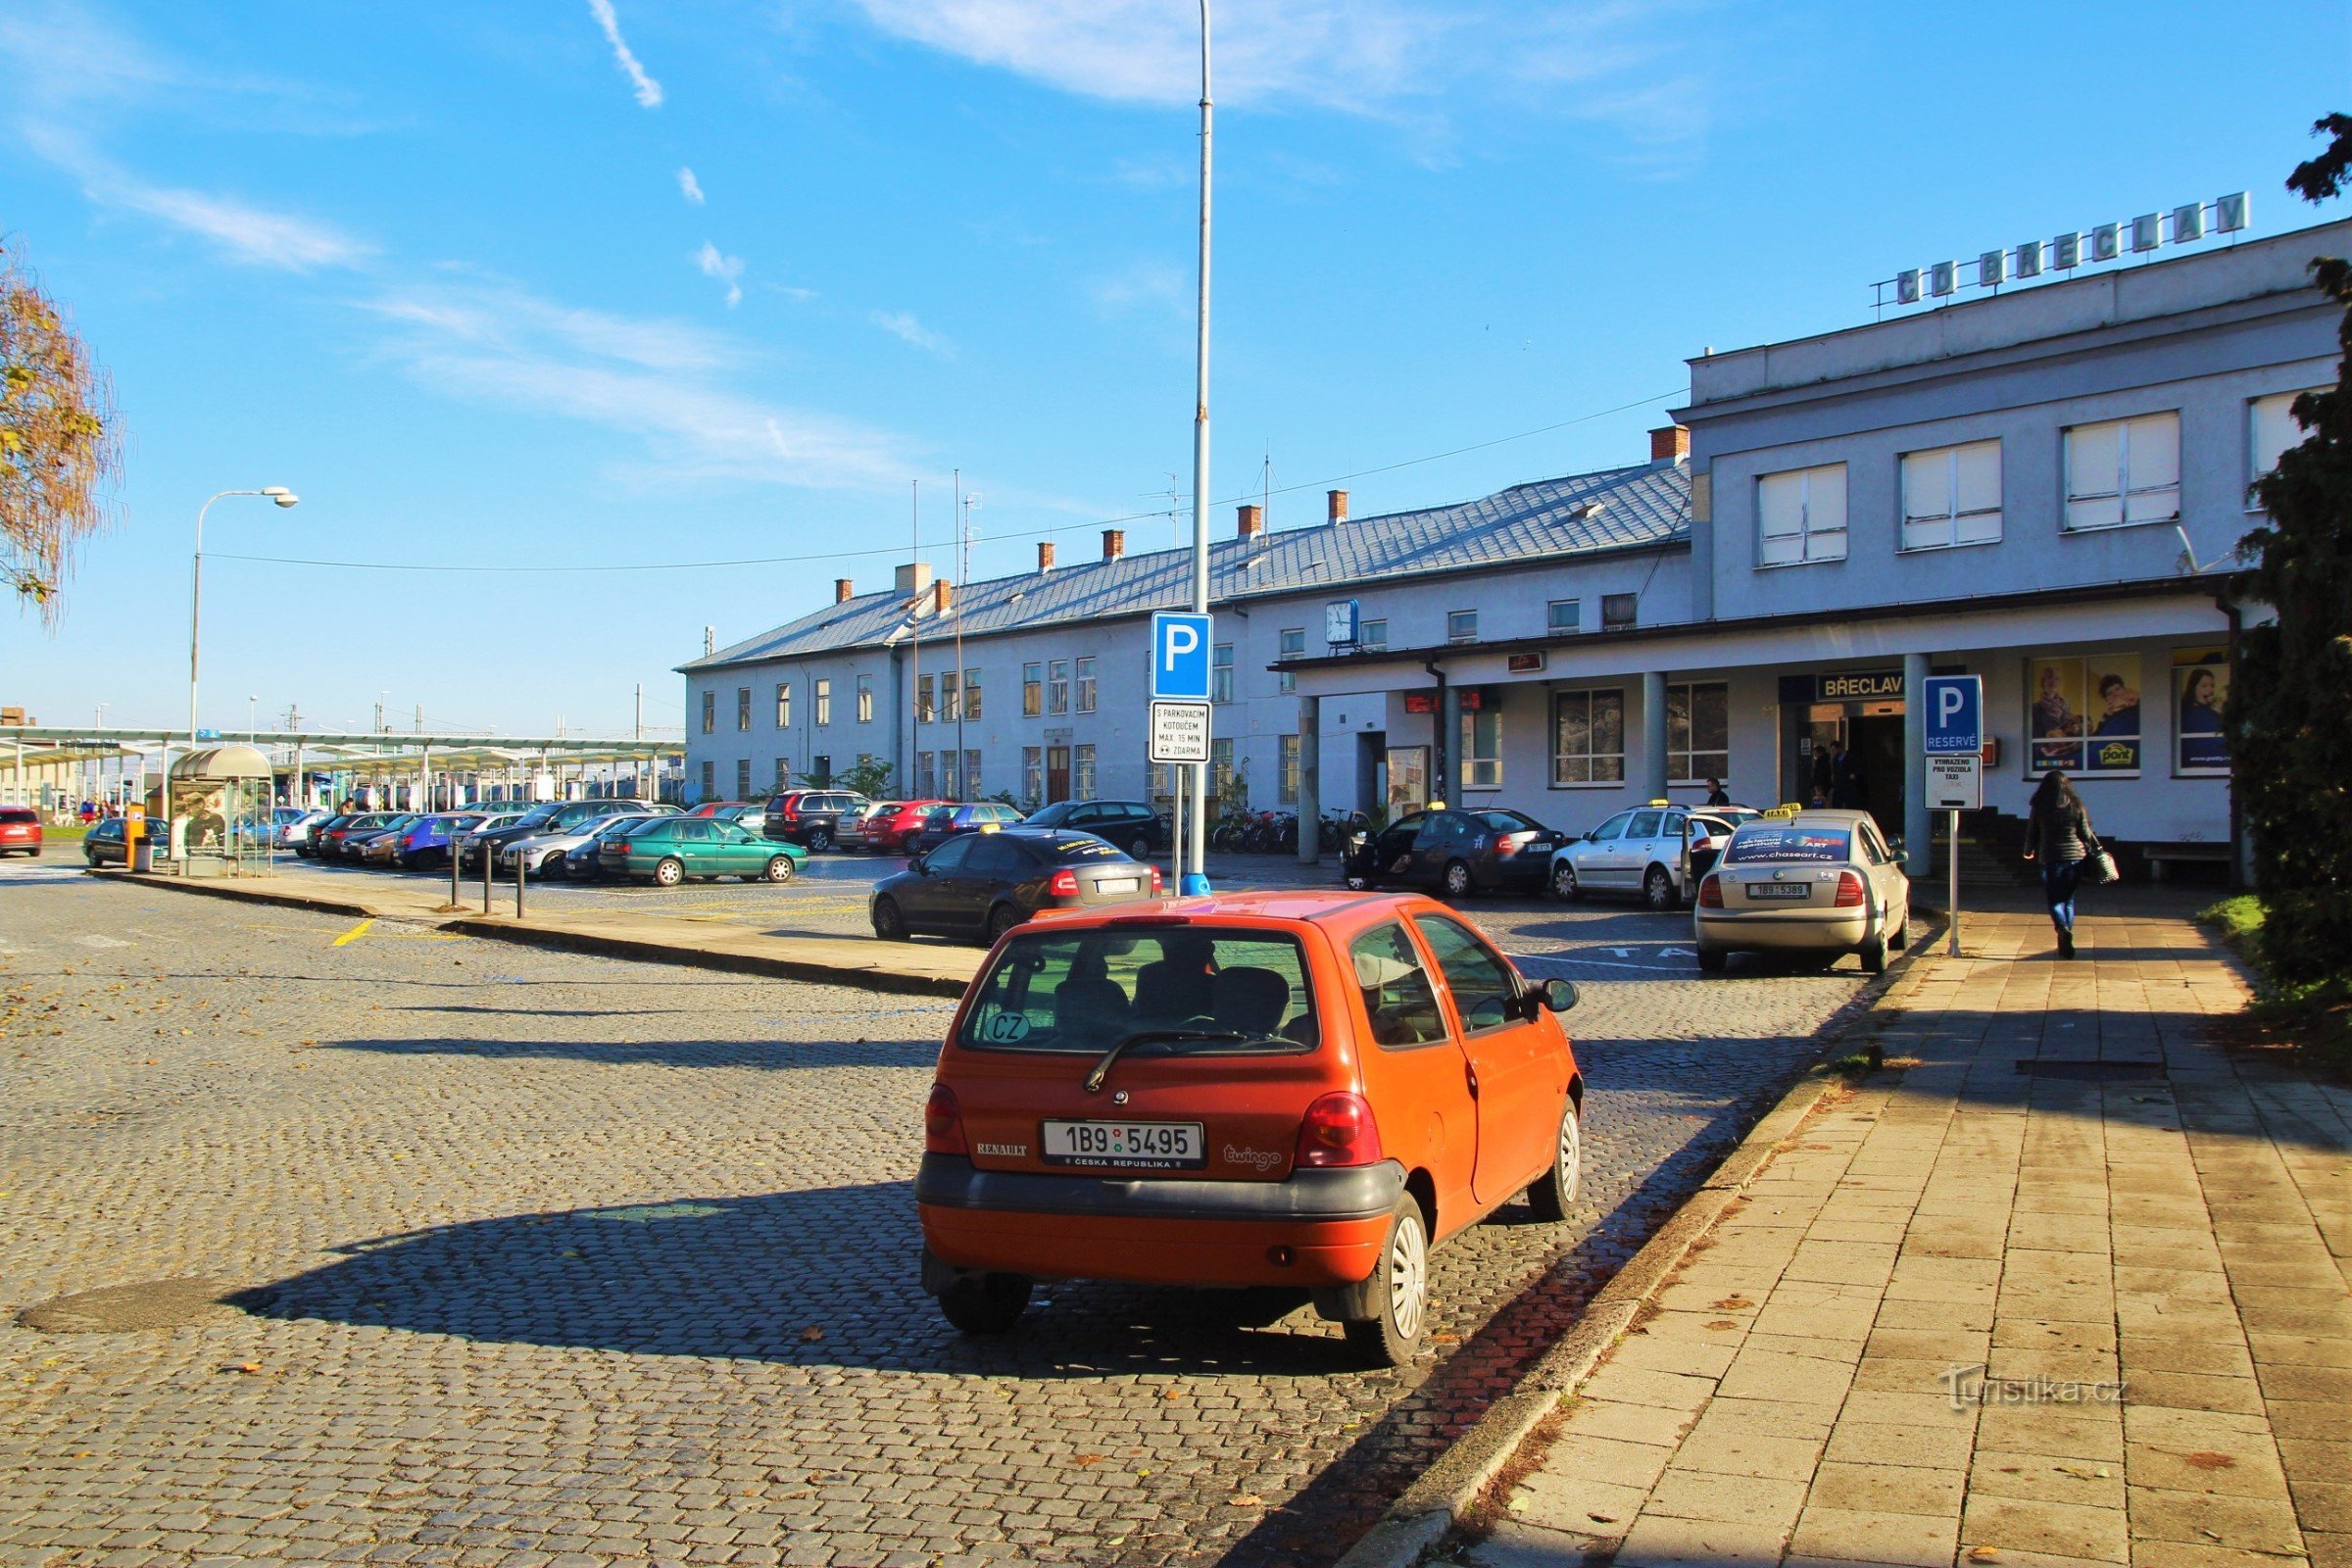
954, 821
426, 843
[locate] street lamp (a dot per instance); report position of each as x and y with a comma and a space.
1191, 858
277, 493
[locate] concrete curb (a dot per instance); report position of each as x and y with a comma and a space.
242, 895
606, 944
1431, 1506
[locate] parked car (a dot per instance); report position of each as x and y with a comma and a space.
807, 817
583, 863
543, 851
1455, 853
565, 817
340, 843
20, 830
1641, 851
1711, 828
491, 837
1308, 1089
429, 840
984, 884
972, 816
291, 825
1817, 882
105, 845
896, 825
361, 846
667, 851
327, 834
849, 828
1132, 826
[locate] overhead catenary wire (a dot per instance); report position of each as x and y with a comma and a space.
1265, 495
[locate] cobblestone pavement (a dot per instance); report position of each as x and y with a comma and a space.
548, 1258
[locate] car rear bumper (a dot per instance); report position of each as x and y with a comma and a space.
1771, 931
1325, 1227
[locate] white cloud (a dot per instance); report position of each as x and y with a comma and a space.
902, 325
690, 187
649, 91
256, 236
727, 269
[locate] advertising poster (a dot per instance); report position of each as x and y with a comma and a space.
2083, 714
2200, 689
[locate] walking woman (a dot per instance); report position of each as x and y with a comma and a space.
2059, 839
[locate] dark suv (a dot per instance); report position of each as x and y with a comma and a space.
808, 817
1130, 824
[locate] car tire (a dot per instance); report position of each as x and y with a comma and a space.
1000, 920
1900, 937
1553, 1195
1400, 1292
1711, 959
780, 868
1457, 880
986, 1304
1359, 881
669, 871
1657, 890
821, 838
890, 921
1564, 885
1871, 955
1138, 849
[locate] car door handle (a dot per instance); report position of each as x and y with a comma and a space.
1470, 1073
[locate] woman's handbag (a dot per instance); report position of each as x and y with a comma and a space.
2101, 868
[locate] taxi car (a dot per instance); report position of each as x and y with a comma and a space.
1657, 851
1295, 1089
1820, 882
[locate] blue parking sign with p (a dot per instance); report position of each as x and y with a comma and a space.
1180, 656
1955, 713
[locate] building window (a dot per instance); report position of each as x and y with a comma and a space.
1588, 737
971, 775
1033, 773
1482, 748
1952, 496
2123, 471
1698, 732
1294, 646
1230, 793
743, 707
1163, 780
783, 705
923, 713
820, 770
1220, 673
709, 777
743, 778
709, 712
950, 703
865, 699
821, 699
1057, 686
951, 777
1082, 771
1086, 684
783, 773
1372, 633
926, 776
1564, 615
1800, 515
1461, 625
1617, 610
1033, 690
971, 694
2272, 430
1286, 771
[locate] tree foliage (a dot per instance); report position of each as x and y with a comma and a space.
2290, 702
59, 447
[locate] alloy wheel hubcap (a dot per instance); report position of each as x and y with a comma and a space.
1571, 1155
1408, 1279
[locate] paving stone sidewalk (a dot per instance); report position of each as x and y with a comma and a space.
2070, 1289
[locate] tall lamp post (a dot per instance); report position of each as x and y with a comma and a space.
1194, 864
284, 498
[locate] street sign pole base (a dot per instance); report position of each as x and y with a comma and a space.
1194, 885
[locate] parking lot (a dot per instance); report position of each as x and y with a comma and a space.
539, 1256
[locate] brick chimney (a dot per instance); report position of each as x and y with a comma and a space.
1250, 523
943, 596
1115, 543
842, 593
1338, 500
1044, 555
1669, 443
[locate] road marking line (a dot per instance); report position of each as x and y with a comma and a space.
356, 932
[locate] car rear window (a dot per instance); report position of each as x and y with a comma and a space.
13, 815
1086, 847
1086, 991
1762, 845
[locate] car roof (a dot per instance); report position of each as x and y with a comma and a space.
1820, 817
1335, 906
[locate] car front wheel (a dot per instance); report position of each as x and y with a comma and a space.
1138, 849
1399, 1293
1657, 889
1564, 885
780, 868
1553, 1195
890, 921
668, 872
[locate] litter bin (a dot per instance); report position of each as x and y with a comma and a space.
143, 853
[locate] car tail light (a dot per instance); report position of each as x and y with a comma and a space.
1710, 894
622, 845
1850, 890
1063, 884
1513, 842
942, 1123
1156, 884
1339, 1130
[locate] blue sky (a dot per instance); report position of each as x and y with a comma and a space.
443, 270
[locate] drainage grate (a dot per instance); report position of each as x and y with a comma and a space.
2093, 1072
123, 1309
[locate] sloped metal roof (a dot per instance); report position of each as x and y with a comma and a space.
1586, 513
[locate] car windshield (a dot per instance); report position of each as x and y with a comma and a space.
1773, 844
1220, 993
1053, 815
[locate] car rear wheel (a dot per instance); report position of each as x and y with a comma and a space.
1000, 920
669, 871
780, 868
820, 837
1564, 885
984, 1303
1400, 1292
1457, 879
1900, 937
1138, 849
1873, 956
1657, 889
1710, 960
890, 921
1553, 1194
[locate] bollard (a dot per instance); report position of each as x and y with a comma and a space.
457, 858
487, 857
522, 874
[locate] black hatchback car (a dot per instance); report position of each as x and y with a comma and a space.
1131, 825
1455, 853
984, 884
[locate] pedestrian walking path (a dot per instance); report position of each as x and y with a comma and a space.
2065, 1283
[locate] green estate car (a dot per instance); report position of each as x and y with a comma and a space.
668, 850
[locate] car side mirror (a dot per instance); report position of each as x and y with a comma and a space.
920, 866
1556, 995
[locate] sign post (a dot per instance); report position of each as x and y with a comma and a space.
1181, 684
1955, 770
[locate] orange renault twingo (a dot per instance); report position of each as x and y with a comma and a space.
1273, 1089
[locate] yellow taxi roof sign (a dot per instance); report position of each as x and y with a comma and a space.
1785, 809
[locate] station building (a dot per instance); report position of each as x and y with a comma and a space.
2043, 487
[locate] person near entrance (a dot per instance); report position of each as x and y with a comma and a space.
1825, 775
1846, 789
2059, 840
1716, 794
